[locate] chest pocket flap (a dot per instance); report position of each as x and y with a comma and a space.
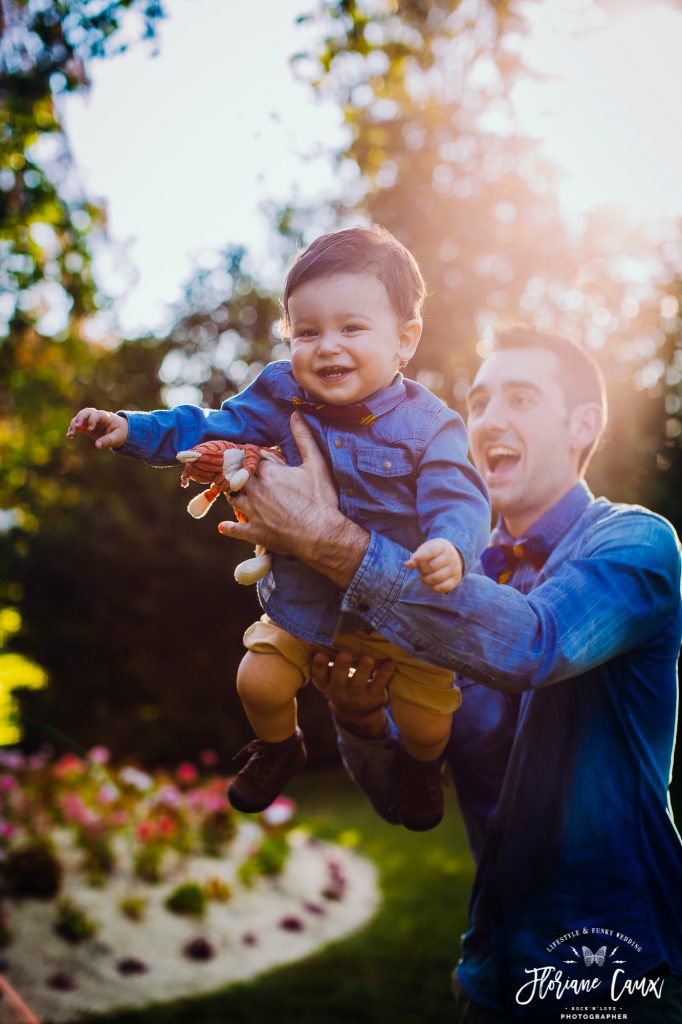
386, 462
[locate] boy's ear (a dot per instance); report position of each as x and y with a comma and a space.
408, 339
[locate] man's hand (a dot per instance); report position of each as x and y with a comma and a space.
294, 510
107, 429
439, 564
356, 699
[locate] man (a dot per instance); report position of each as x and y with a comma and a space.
562, 749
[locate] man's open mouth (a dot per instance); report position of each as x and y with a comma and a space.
499, 458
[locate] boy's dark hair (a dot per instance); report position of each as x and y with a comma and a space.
370, 250
580, 377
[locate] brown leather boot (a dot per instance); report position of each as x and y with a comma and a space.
268, 768
420, 793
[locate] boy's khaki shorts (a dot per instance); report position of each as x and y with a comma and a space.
413, 680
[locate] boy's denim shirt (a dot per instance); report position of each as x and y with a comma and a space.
405, 476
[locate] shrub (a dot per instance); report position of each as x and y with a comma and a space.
269, 859
133, 907
33, 870
98, 858
218, 890
72, 922
188, 898
147, 863
217, 828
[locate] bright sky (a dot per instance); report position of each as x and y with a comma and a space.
185, 147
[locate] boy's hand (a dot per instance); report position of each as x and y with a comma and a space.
107, 429
439, 564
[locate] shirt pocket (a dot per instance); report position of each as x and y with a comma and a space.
385, 478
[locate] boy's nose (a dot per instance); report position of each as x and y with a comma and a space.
328, 342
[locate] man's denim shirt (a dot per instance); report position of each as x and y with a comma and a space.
406, 476
562, 759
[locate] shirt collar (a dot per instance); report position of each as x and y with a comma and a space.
379, 402
553, 524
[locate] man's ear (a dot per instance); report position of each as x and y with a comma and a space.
586, 424
408, 339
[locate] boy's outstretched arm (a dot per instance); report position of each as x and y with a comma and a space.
107, 429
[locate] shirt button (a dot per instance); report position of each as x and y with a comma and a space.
338, 443
350, 493
386, 464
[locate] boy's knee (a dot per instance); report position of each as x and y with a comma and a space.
261, 686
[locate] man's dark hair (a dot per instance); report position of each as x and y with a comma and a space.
370, 250
580, 376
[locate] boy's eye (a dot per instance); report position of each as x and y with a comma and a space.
306, 332
351, 328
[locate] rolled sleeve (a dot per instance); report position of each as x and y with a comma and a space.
619, 587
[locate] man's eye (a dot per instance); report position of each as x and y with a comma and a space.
476, 408
520, 401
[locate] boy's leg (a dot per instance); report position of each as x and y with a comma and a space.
424, 737
267, 685
425, 734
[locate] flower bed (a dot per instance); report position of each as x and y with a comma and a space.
122, 887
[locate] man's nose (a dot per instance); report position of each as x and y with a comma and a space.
495, 416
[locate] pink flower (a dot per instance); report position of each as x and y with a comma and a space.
209, 758
99, 754
12, 759
169, 796
281, 810
186, 773
107, 793
7, 782
75, 810
7, 829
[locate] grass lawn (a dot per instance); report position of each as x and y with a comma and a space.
398, 969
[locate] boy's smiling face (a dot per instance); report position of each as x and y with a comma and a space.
346, 339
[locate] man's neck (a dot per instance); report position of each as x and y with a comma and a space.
519, 525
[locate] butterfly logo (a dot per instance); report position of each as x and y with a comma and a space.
596, 959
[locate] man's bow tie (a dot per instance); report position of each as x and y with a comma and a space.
350, 414
500, 560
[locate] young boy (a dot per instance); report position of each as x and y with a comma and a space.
352, 311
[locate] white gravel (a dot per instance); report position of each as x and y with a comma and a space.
36, 953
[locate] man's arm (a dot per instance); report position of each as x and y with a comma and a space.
367, 738
619, 590
612, 596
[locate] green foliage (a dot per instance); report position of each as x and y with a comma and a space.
269, 859
187, 898
72, 922
33, 870
218, 890
148, 861
133, 907
99, 859
217, 828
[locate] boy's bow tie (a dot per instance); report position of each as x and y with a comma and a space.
351, 414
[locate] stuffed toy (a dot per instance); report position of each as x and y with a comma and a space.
227, 466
